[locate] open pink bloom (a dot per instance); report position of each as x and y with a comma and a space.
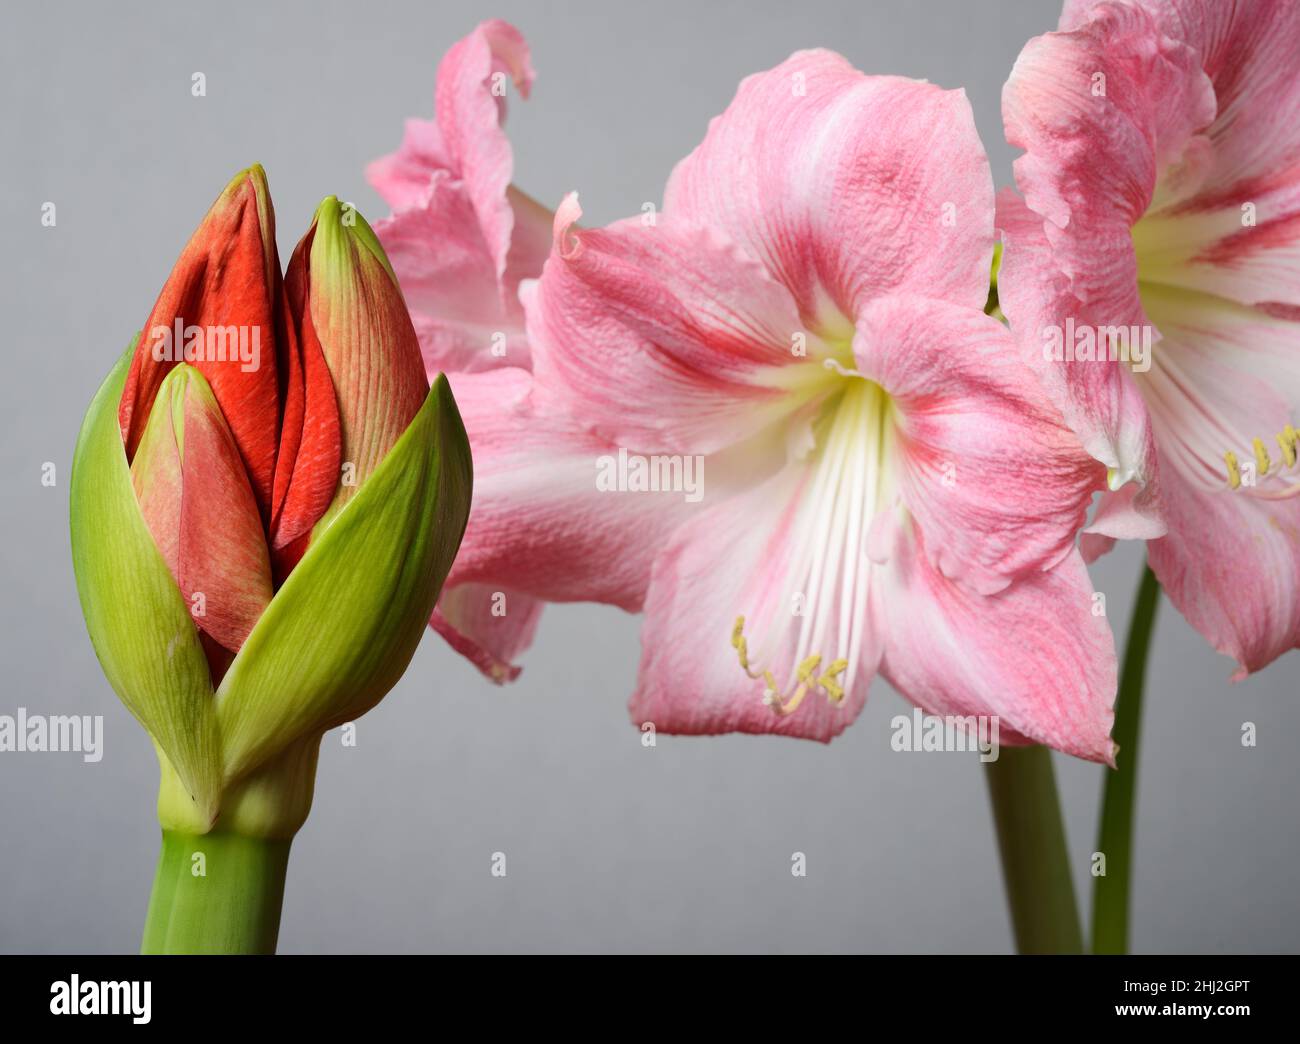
1162, 199
461, 238
856, 474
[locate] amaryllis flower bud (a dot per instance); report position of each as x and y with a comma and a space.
266, 497
200, 509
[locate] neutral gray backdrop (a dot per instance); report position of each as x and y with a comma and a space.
611, 846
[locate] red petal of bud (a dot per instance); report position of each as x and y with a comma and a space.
217, 312
352, 307
194, 494
307, 469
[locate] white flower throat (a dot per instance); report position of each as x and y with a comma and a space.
827, 580
1202, 440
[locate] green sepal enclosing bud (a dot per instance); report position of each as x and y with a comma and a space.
139, 623
343, 628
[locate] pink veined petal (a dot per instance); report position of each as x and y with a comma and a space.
1231, 565
1098, 399
946, 647
402, 177
466, 319
742, 559
1093, 545
845, 186
1249, 51
490, 626
1100, 112
1239, 246
1036, 655
539, 524
1238, 236
530, 246
1128, 513
450, 286
462, 238
1226, 375
664, 336
996, 483
470, 105
1227, 220
1115, 86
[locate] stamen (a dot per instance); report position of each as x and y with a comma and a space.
742, 647
1234, 472
806, 675
1286, 438
1287, 442
1261, 457
827, 681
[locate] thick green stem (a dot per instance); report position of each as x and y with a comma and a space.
216, 893
1035, 861
1110, 893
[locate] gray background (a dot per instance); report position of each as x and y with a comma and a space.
611, 846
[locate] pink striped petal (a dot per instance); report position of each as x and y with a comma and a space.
470, 103
1231, 564
1249, 52
1117, 88
540, 525
845, 186
664, 336
489, 626
462, 238
996, 483
1203, 241
1098, 399
1036, 656
465, 318
1226, 376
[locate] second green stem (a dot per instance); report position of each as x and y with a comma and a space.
1110, 894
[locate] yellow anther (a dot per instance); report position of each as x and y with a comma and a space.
1287, 439
1261, 457
806, 673
827, 681
1234, 473
741, 646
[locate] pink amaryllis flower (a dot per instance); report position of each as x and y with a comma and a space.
885, 487
1161, 207
461, 239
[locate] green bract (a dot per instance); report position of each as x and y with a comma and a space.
336, 637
